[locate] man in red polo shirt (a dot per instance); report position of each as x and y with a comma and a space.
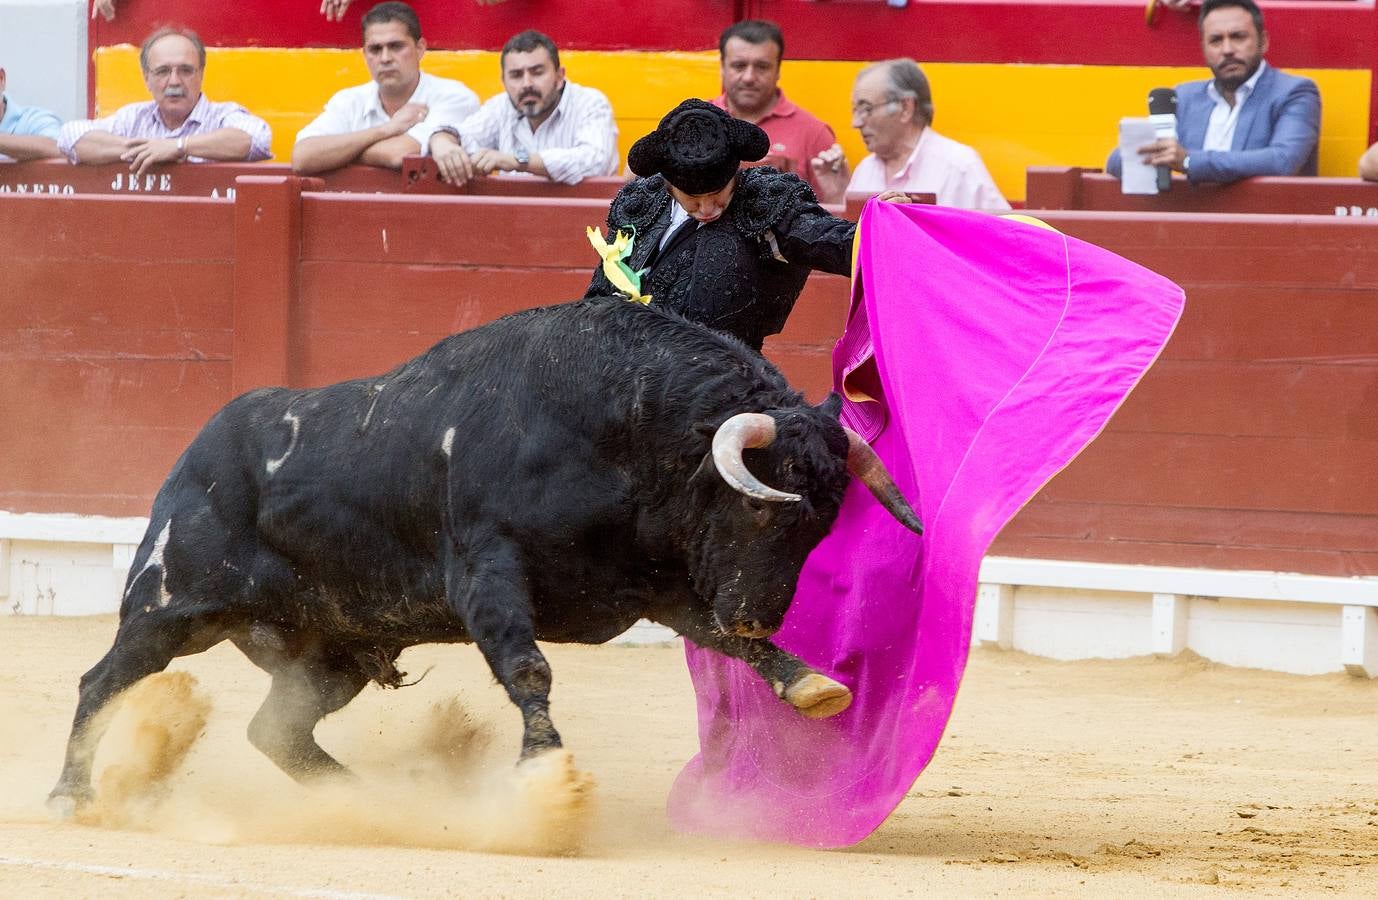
799, 142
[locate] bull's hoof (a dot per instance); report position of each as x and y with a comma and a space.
818, 696
64, 806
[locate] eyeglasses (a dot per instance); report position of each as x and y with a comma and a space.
863, 110
163, 73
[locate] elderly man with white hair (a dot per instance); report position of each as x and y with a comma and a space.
178, 125
892, 107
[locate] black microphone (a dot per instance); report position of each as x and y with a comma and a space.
1162, 109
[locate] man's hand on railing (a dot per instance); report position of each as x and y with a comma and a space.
454, 165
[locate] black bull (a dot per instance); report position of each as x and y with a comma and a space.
557, 475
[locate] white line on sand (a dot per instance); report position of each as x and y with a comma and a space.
188, 878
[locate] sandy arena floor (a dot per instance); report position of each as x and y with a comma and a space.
1138, 778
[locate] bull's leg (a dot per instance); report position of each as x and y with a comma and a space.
307, 687
491, 599
144, 644
809, 691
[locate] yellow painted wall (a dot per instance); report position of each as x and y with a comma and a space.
1015, 115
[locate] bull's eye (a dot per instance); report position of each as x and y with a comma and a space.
760, 511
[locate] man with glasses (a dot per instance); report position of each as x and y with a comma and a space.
178, 125
892, 107
395, 115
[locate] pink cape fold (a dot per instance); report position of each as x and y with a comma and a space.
996, 351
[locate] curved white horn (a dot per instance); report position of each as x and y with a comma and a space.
864, 464
743, 431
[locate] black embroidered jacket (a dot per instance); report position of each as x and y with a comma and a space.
742, 272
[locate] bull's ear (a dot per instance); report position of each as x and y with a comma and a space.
832, 404
706, 469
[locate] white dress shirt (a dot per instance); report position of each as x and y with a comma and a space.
357, 108
938, 165
576, 141
1224, 117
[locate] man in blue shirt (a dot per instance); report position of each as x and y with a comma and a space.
26, 132
1251, 119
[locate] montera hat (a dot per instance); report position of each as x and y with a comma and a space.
698, 148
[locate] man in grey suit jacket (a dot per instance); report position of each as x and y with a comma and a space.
1250, 119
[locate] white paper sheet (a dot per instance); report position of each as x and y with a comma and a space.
1138, 177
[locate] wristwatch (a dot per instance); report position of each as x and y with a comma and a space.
523, 156
1186, 165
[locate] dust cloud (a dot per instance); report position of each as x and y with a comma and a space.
448, 789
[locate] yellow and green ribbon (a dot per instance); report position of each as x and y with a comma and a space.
618, 272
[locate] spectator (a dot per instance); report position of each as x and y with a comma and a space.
1250, 119
178, 125
396, 114
1368, 164
26, 132
750, 53
892, 107
541, 125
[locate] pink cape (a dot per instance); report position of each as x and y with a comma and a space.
995, 350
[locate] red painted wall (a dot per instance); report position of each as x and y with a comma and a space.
1319, 33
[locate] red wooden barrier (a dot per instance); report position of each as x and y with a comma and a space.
115, 344
1072, 188
1250, 445
418, 176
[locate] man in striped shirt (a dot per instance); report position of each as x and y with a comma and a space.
178, 125
542, 125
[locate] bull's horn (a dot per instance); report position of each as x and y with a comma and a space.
743, 431
863, 463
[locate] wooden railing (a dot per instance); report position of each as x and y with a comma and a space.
1091, 189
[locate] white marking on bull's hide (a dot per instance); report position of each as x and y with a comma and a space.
374, 392
155, 561
274, 464
448, 444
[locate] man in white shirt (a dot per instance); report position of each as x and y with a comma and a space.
892, 107
542, 125
396, 114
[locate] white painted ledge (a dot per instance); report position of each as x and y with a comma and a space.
1168, 580
1276, 620
76, 565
